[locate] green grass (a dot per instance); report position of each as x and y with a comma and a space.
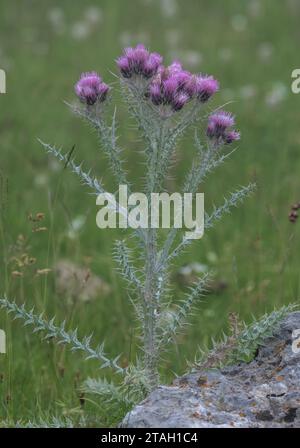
256, 248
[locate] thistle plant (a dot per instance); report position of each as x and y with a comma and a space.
165, 101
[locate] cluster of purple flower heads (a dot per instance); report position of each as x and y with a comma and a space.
175, 86
219, 127
172, 86
138, 61
90, 88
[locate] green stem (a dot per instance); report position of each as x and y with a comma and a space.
151, 275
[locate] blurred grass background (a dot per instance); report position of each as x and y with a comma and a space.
251, 47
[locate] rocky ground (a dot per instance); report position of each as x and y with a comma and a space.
263, 393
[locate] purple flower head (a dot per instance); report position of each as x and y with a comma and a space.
163, 73
190, 86
210, 131
138, 61
124, 66
231, 137
103, 91
174, 86
219, 125
155, 92
175, 75
170, 87
174, 68
206, 86
183, 78
219, 122
137, 57
179, 101
90, 88
152, 64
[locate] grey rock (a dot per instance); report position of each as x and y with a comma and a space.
263, 393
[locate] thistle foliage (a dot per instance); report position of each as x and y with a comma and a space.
161, 121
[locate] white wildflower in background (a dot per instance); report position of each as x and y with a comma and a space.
57, 19
91, 19
54, 165
192, 58
225, 54
189, 273
75, 226
81, 30
265, 51
239, 22
193, 268
209, 313
41, 180
173, 37
248, 91
254, 8
277, 94
168, 8
212, 257
127, 38
293, 5
93, 15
